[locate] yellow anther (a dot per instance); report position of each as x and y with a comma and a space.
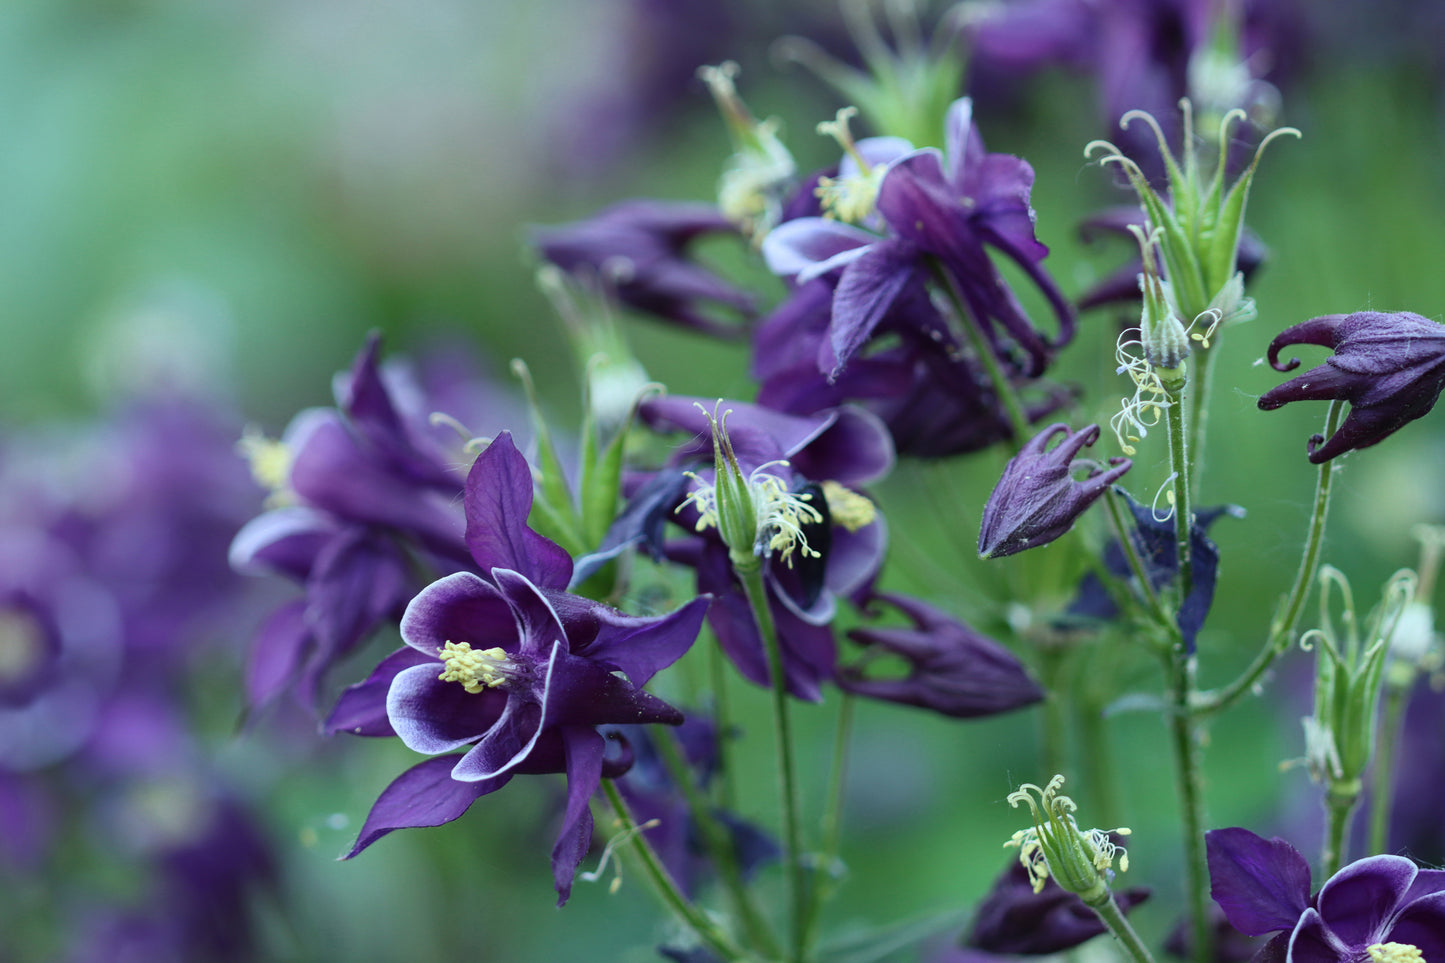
1395, 953
848, 508
270, 462
475, 669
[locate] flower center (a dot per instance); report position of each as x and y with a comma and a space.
848, 199
475, 669
21, 645
1395, 953
270, 462
779, 514
848, 508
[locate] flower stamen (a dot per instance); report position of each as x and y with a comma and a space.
476, 669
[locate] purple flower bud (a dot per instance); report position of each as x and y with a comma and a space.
1037, 499
1389, 367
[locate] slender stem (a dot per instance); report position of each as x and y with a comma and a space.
787, 780
824, 875
666, 888
1292, 605
717, 668
1186, 741
1340, 800
1182, 470
1008, 396
719, 845
1121, 929
1200, 386
1384, 782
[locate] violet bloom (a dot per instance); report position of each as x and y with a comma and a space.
513, 670
1038, 498
944, 208
834, 452
1380, 908
952, 669
638, 250
362, 492
1389, 367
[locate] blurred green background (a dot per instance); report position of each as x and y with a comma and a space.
239, 191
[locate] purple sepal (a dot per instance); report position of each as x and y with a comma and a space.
585, 751
498, 500
1014, 920
1263, 885
423, 796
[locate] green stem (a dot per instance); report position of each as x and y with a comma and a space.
1008, 396
824, 875
719, 845
1187, 742
1282, 629
717, 668
1340, 800
666, 888
1384, 782
1182, 471
787, 780
1099, 770
1121, 929
1198, 397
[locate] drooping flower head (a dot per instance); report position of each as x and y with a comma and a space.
952, 668
1038, 499
1389, 367
1382, 908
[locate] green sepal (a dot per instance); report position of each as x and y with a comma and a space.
553, 514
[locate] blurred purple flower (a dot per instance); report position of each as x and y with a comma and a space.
952, 669
1263, 886
1389, 367
638, 251
1038, 498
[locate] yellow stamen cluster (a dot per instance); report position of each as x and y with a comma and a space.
475, 669
848, 199
270, 463
21, 644
752, 185
780, 514
848, 508
1395, 953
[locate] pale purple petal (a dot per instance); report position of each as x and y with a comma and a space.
454, 609
276, 654
1358, 899
813, 246
433, 716
507, 743
283, 540
1312, 942
538, 627
361, 710
1422, 925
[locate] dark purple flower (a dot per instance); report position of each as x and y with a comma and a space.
1013, 920
836, 451
952, 669
1038, 498
638, 250
938, 208
1263, 886
928, 390
1389, 367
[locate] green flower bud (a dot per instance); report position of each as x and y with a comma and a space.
1080, 861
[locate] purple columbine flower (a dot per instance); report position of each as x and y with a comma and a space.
952, 669
512, 670
1038, 499
638, 250
1381, 908
1389, 367
944, 207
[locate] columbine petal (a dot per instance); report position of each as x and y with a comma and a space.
1422, 925
498, 500
1358, 899
1262, 885
424, 795
585, 752
361, 710
507, 742
433, 716
809, 247
458, 608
